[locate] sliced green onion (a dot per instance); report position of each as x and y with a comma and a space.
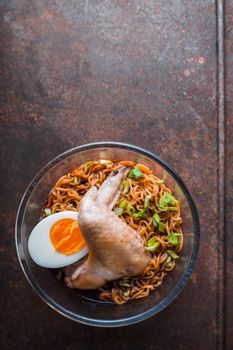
166, 199
159, 181
155, 219
118, 211
161, 208
130, 209
125, 187
152, 244
161, 226
168, 262
126, 293
123, 204
124, 283
172, 254
153, 247
86, 167
172, 208
139, 214
48, 211
173, 239
105, 161
135, 173
165, 207
151, 241
75, 182
147, 202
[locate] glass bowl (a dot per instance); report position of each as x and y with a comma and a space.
82, 307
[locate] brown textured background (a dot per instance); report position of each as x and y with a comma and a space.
143, 72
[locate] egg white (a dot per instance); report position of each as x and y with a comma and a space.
41, 249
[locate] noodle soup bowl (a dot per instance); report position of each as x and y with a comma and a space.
85, 307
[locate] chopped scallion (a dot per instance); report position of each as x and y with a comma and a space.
173, 238
126, 293
161, 226
151, 241
123, 203
172, 254
153, 247
130, 209
124, 283
155, 219
147, 202
135, 173
75, 182
160, 208
152, 244
166, 199
139, 214
172, 208
125, 187
159, 181
168, 262
87, 166
118, 211
105, 161
48, 211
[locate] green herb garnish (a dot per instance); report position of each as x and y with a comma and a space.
172, 254
166, 199
160, 208
140, 214
123, 203
124, 283
161, 226
155, 219
118, 211
152, 245
86, 167
169, 262
159, 181
48, 211
105, 161
173, 238
135, 173
130, 209
125, 187
147, 202
172, 208
126, 293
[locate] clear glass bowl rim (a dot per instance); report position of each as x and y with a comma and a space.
129, 320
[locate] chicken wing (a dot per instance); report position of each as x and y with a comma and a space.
115, 249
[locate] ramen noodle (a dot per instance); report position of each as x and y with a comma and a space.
146, 204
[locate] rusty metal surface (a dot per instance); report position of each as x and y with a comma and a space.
229, 172
137, 71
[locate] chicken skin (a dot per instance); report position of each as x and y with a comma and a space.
115, 249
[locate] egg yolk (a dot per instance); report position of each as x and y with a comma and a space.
66, 236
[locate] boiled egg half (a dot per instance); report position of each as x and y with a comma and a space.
56, 241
